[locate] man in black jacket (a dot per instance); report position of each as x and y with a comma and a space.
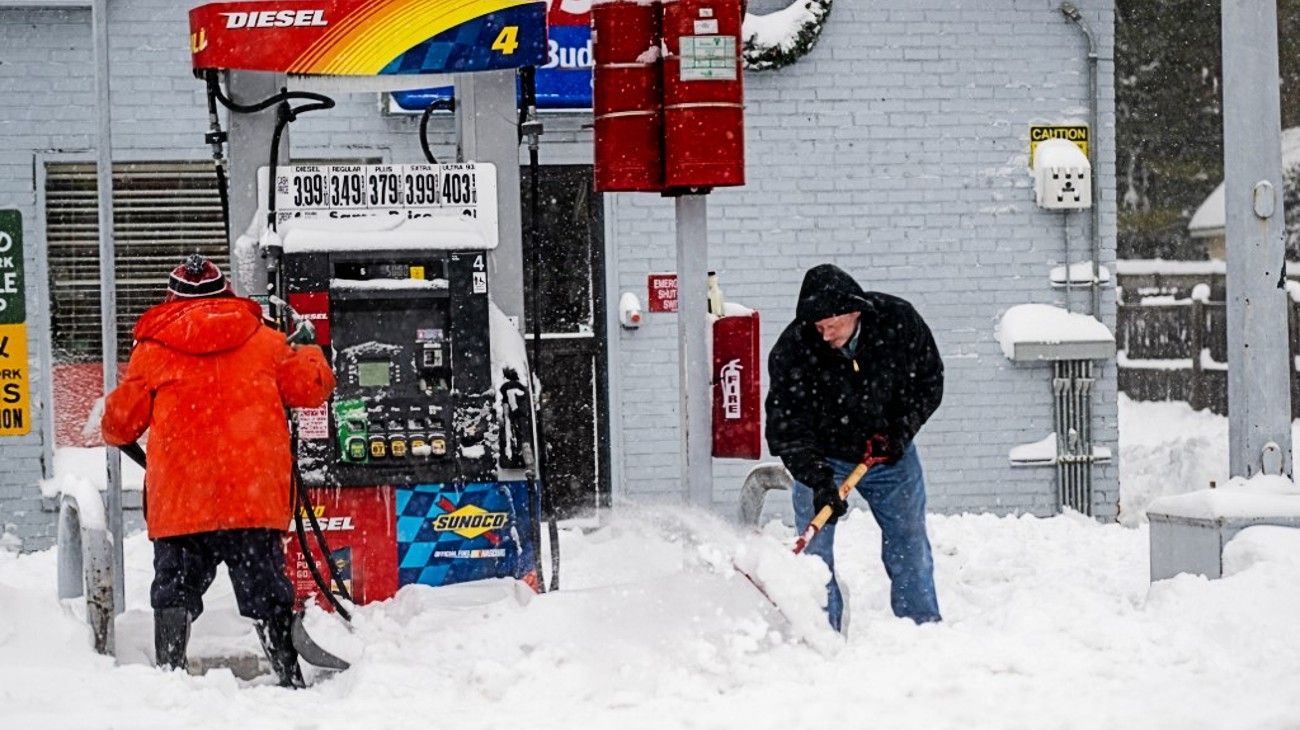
855, 368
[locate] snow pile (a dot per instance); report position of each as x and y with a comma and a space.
88, 464
795, 584
1048, 623
1166, 448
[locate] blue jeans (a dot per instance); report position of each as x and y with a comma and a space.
896, 495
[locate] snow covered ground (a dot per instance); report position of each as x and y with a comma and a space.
1049, 623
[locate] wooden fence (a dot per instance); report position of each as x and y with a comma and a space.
1178, 350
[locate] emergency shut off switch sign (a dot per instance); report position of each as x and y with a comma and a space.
15, 406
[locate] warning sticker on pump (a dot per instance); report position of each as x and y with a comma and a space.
313, 423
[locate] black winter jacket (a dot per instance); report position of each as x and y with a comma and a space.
819, 406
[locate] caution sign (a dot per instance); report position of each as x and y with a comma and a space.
15, 403
1076, 133
15, 406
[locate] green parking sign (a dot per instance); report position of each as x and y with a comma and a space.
13, 307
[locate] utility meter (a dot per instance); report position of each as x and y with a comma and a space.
1062, 176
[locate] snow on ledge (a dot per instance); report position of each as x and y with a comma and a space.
1259, 496
441, 233
1046, 325
1043, 451
1080, 274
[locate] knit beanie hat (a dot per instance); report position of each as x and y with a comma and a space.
197, 277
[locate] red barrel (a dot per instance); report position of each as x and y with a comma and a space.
626, 96
704, 113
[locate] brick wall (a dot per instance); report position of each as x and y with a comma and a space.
897, 149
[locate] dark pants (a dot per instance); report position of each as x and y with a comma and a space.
185, 566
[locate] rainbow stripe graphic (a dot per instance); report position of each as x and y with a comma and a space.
376, 32
368, 37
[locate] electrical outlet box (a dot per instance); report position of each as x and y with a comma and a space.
1062, 176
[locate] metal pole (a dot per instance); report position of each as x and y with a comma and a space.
250, 149
107, 286
693, 367
1259, 397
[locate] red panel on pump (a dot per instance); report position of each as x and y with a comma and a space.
626, 96
359, 524
704, 114
737, 410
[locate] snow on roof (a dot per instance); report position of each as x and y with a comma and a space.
1209, 219
1045, 324
1259, 496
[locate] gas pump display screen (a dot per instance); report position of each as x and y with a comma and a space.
373, 374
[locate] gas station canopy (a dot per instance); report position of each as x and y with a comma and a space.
369, 37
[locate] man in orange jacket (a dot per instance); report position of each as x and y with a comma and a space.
210, 383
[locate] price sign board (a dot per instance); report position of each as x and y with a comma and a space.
466, 191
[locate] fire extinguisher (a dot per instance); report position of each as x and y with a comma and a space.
704, 100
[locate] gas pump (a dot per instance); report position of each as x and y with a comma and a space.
414, 467
420, 468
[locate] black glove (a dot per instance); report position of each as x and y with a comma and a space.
888, 448
828, 494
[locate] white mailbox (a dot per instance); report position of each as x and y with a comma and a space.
1062, 176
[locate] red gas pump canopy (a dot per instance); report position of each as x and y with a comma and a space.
368, 37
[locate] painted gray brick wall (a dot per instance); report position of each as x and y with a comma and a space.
897, 149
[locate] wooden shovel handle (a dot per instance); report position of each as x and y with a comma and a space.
819, 521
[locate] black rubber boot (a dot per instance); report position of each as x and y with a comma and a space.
276, 635
171, 636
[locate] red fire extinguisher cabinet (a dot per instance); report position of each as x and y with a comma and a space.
737, 408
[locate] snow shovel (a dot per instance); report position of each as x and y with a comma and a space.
822, 516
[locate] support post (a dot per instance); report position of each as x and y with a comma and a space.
694, 407
1258, 388
250, 148
487, 125
108, 293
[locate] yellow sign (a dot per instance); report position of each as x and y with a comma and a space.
15, 401
1076, 133
470, 521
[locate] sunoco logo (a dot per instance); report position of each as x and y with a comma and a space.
470, 521
276, 19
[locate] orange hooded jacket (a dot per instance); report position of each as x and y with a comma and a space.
211, 382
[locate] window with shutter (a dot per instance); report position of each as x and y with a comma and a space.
162, 212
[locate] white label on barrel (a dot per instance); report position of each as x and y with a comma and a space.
706, 27
708, 58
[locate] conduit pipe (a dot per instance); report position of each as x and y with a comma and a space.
1074, 16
